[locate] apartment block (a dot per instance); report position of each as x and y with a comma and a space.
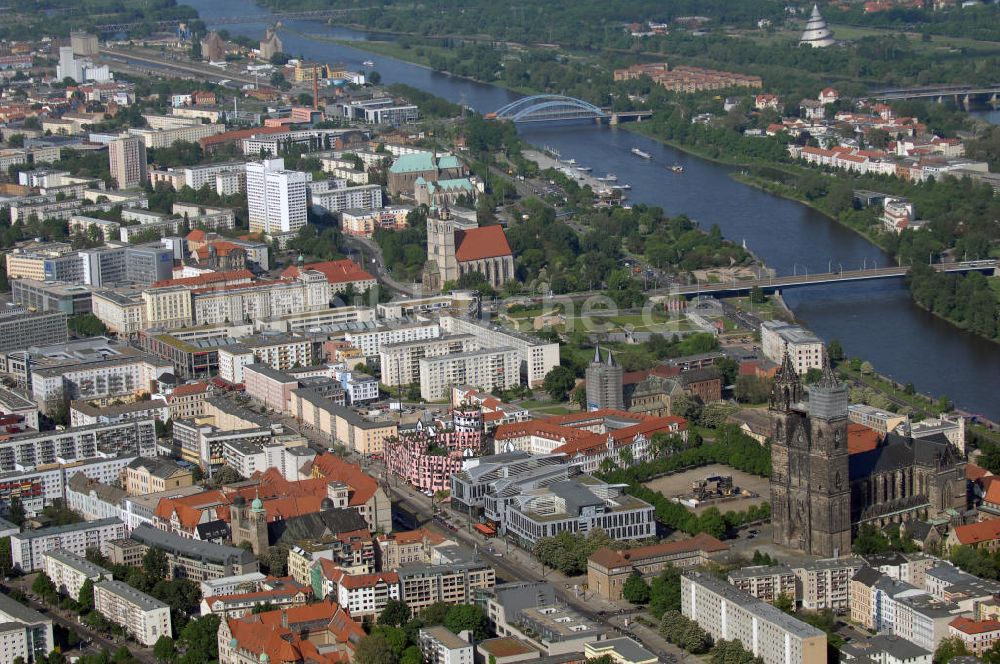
826, 584
537, 357
487, 369
28, 450
765, 582
28, 548
728, 613
69, 572
24, 633
145, 618
874, 418
400, 361
371, 341
276, 197
326, 196
440, 645
456, 583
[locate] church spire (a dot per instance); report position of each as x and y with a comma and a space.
829, 379
597, 354
611, 359
787, 388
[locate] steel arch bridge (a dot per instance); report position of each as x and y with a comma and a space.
545, 108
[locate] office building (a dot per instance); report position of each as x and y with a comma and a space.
20, 329
127, 157
803, 347
454, 583
188, 558
144, 618
608, 569
728, 613
71, 299
28, 548
276, 197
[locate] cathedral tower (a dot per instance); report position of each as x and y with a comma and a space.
810, 484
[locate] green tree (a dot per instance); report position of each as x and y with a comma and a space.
948, 649
395, 613
86, 597
757, 295
635, 589
785, 603
164, 649
16, 512
154, 564
467, 617
835, 351
866, 368
375, 649
559, 381
43, 586
6, 562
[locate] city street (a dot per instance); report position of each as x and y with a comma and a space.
91, 641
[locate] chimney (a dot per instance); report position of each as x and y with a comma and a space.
315, 88
284, 618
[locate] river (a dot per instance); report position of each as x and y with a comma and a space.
876, 320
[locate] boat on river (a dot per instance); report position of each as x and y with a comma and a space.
610, 177
677, 168
639, 153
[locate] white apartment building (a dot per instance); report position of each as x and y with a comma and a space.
363, 594
27, 549
370, 342
78, 444
728, 613
245, 303
766, 582
440, 645
805, 348
124, 375
326, 195
537, 357
826, 584
164, 138
366, 222
24, 633
145, 618
485, 369
69, 572
400, 361
278, 351
276, 197
230, 585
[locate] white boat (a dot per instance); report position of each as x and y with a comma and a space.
584, 169
639, 153
677, 168
571, 162
610, 177
368, 63
621, 187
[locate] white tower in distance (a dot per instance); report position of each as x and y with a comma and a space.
816, 33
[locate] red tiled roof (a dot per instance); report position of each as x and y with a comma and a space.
976, 533
860, 438
974, 473
222, 248
291, 635
969, 626
197, 235
479, 243
336, 272
189, 389
205, 279
701, 542
239, 134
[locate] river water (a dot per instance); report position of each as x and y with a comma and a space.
876, 320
